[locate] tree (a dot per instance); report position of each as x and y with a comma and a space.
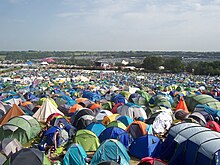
174, 64
152, 63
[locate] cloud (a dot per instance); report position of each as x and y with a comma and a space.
67, 14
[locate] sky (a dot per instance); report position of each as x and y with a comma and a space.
110, 25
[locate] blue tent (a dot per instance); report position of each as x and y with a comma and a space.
208, 152
55, 121
168, 147
119, 99
91, 96
116, 133
186, 152
96, 128
47, 138
145, 146
180, 138
70, 129
126, 120
29, 62
75, 155
111, 149
68, 99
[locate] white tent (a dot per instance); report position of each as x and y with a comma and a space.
10, 146
45, 111
100, 116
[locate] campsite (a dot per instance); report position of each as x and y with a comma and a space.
70, 116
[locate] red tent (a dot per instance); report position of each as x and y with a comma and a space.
53, 115
213, 126
151, 161
49, 60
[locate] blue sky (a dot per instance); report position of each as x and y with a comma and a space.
97, 25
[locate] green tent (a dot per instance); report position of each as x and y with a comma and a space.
117, 124
161, 100
214, 105
193, 100
126, 94
87, 139
42, 100
23, 128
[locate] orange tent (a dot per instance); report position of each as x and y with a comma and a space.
13, 112
182, 105
26, 103
78, 100
108, 119
74, 108
141, 126
94, 106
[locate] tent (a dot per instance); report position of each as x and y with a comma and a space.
144, 146
181, 137
116, 133
162, 123
45, 111
119, 99
91, 96
116, 124
96, 128
125, 120
74, 108
87, 139
2, 158
198, 117
182, 105
47, 139
108, 162
111, 149
10, 146
53, 115
12, 100
213, 126
43, 99
28, 156
23, 128
108, 119
165, 154
59, 119
151, 161
100, 116
161, 100
193, 100
75, 155
13, 112
137, 129
208, 152
140, 97
79, 113
187, 150
132, 110
115, 107
84, 121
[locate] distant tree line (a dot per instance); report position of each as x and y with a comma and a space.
31, 54
176, 65
171, 61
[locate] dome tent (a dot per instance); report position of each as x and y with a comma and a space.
75, 155
111, 150
23, 128
28, 156
87, 139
